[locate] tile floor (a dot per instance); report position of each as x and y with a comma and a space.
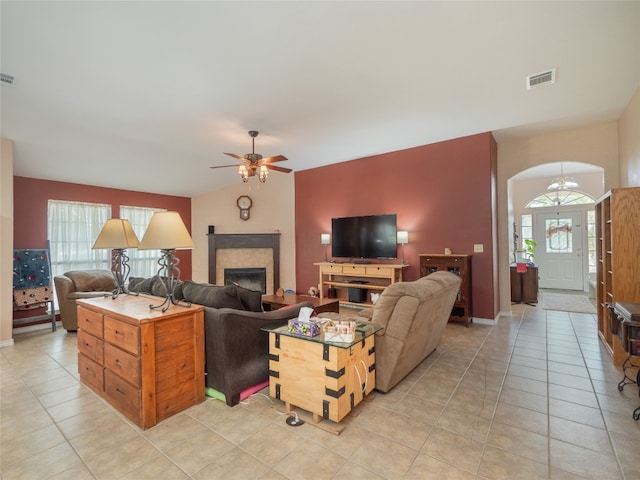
534, 397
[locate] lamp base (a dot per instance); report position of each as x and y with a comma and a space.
169, 275
120, 269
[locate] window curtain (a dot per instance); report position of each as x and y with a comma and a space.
72, 228
144, 263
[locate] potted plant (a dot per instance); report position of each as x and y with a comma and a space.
530, 246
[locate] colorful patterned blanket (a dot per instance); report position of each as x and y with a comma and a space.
31, 278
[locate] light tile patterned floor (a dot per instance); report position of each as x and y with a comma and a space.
533, 397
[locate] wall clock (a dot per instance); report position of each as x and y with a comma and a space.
244, 204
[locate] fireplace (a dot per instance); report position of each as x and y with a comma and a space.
251, 278
240, 251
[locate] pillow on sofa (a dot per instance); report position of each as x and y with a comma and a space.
140, 284
159, 289
251, 300
215, 296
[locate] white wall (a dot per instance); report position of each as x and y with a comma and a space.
630, 143
273, 209
6, 243
596, 145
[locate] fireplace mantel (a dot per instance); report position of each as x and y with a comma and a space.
245, 240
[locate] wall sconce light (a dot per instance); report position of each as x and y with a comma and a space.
403, 238
325, 239
118, 235
167, 232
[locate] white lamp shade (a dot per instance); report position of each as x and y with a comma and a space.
116, 233
166, 231
325, 238
403, 237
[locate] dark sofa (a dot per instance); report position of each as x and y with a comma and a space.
236, 348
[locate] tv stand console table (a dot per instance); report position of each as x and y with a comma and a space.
341, 277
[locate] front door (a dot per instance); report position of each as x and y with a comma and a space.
559, 250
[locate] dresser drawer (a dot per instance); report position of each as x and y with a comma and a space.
331, 269
123, 396
90, 321
122, 335
91, 346
122, 363
354, 269
386, 272
91, 373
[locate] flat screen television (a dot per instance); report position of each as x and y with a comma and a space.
371, 236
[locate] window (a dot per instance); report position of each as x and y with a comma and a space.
144, 263
72, 228
560, 197
526, 229
559, 236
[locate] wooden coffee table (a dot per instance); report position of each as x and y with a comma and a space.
320, 305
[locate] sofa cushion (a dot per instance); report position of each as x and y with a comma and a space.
92, 280
251, 300
140, 285
214, 296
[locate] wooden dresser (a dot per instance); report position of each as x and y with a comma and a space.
147, 364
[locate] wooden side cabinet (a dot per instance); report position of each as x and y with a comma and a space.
147, 364
348, 277
460, 265
524, 286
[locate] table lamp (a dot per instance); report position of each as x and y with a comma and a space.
403, 238
118, 235
325, 239
166, 232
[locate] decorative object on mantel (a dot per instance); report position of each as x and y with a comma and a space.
313, 292
403, 238
280, 292
563, 182
167, 232
244, 203
325, 239
253, 163
118, 235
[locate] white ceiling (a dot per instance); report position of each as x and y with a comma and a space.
147, 95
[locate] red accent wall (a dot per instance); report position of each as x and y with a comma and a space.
443, 195
30, 210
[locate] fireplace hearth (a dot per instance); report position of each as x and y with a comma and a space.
251, 278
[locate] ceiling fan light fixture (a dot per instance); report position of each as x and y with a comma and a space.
244, 173
263, 174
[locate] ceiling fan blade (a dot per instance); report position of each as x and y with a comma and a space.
234, 156
278, 169
276, 158
224, 166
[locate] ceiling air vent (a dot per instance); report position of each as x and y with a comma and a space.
541, 79
4, 78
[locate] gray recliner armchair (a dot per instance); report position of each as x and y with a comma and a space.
73, 285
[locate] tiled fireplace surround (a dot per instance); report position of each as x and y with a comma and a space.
245, 251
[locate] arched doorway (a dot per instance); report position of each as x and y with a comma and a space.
559, 220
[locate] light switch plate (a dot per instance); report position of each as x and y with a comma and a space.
478, 248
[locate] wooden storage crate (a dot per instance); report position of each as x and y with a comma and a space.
324, 379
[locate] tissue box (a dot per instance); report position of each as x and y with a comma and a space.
339, 331
308, 329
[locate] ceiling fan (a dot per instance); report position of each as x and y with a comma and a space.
255, 164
